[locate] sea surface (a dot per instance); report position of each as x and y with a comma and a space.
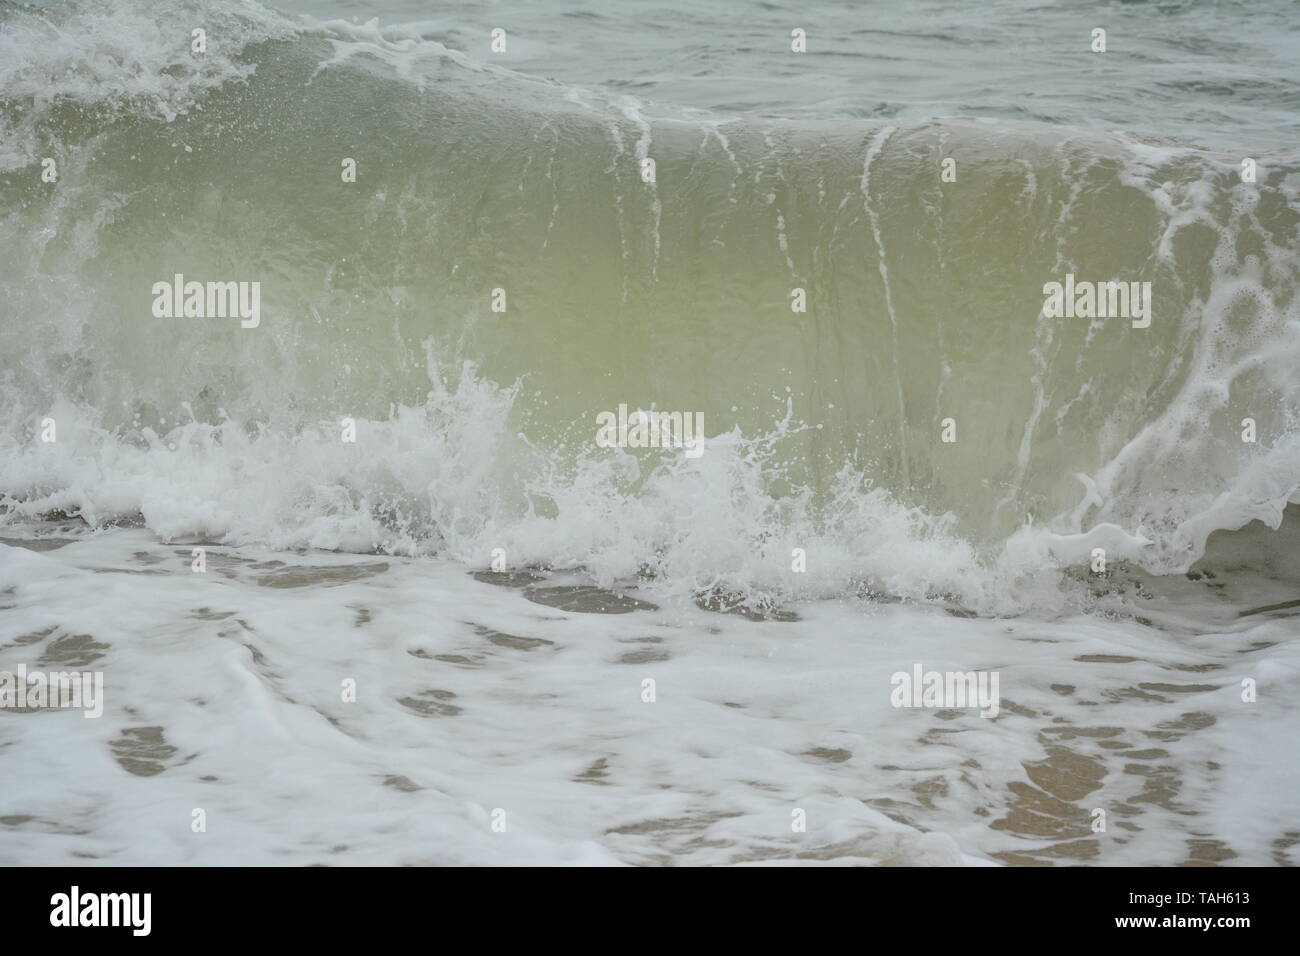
362, 584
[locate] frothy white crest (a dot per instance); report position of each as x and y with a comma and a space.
117, 56
454, 477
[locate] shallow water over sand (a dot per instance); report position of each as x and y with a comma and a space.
523, 693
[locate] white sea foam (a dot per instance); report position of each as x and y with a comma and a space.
223, 693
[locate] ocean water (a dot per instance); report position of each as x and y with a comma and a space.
365, 588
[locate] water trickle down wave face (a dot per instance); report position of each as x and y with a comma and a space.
476, 429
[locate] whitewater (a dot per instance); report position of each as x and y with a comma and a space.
365, 582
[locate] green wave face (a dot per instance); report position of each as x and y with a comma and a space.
923, 292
